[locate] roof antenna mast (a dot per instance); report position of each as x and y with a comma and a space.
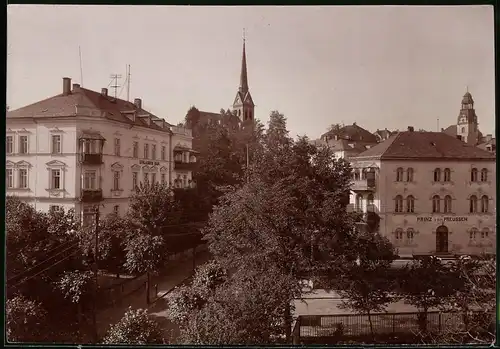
115, 77
128, 83
81, 69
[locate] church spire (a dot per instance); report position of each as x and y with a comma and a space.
243, 76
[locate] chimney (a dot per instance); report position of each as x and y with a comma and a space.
489, 138
66, 86
442, 129
138, 103
76, 87
459, 137
410, 129
104, 92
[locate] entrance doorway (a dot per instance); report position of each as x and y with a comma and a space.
442, 239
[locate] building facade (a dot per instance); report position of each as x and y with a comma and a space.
82, 148
433, 193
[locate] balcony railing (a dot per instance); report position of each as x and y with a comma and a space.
363, 184
90, 159
91, 195
184, 166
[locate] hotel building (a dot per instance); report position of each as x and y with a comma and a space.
81, 148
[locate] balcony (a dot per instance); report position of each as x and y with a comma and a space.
363, 184
184, 166
91, 195
91, 159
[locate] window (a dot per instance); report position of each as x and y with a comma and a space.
484, 233
447, 204
399, 174
473, 234
399, 234
90, 146
56, 144
447, 175
463, 129
153, 178
9, 145
473, 175
163, 150
484, 204
484, 175
410, 204
117, 146
116, 180
185, 181
145, 178
9, 176
89, 180
398, 204
55, 208
178, 181
436, 204
55, 179
135, 150
23, 145
437, 175
153, 151
146, 151
410, 233
473, 204
356, 174
359, 203
363, 174
409, 174
163, 178
134, 180
23, 178
116, 209
88, 215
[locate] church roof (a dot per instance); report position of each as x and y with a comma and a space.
467, 99
351, 132
410, 145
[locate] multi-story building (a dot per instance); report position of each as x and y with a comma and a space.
433, 193
81, 148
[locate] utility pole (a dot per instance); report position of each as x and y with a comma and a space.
128, 83
96, 269
115, 77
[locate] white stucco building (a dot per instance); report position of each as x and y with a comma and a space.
81, 148
434, 194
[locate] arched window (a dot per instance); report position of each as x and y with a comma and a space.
484, 175
398, 204
447, 204
409, 174
399, 234
399, 174
437, 175
484, 204
473, 204
473, 234
473, 175
436, 204
356, 174
484, 233
359, 203
410, 233
447, 175
410, 204
463, 129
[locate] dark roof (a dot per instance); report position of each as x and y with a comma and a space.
467, 99
352, 132
66, 105
451, 130
425, 145
349, 146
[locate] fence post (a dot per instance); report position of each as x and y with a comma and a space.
439, 322
393, 324
296, 332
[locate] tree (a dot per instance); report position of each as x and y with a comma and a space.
152, 210
290, 216
368, 286
137, 328
24, 320
427, 283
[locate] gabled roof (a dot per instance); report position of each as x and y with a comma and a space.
351, 132
425, 145
66, 105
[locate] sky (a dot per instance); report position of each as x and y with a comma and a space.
379, 66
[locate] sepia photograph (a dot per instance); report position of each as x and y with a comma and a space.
250, 175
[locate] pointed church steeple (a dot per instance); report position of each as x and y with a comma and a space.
243, 105
243, 75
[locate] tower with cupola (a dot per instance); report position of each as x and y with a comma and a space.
467, 125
